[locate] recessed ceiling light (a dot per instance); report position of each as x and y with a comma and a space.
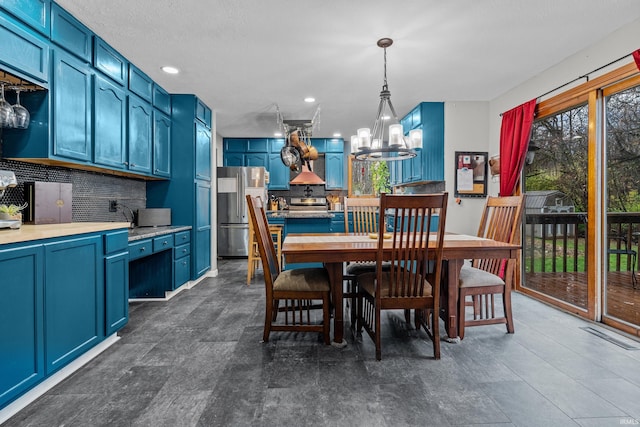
309, 99
170, 70
386, 117
277, 134
337, 135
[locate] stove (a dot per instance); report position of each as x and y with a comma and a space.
308, 204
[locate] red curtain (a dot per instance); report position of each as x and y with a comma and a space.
514, 141
636, 57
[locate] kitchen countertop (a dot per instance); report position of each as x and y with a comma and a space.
30, 232
299, 214
140, 233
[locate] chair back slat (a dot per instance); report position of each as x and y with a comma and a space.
413, 258
266, 247
364, 212
500, 221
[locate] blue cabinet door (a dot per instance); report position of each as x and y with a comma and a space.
278, 173
256, 159
234, 159
73, 303
139, 135
109, 123
71, 107
22, 52
70, 34
21, 327
203, 152
334, 171
202, 234
109, 61
116, 284
161, 144
35, 13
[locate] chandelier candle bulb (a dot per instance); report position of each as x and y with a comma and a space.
395, 135
364, 135
354, 144
415, 139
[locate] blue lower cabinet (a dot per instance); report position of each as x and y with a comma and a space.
181, 271
60, 297
21, 321
159, 265
74, 299
116, 271
116, 282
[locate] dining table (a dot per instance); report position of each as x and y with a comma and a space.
335, 249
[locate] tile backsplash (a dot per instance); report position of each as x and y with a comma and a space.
91, 190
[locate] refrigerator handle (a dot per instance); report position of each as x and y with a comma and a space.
240, 196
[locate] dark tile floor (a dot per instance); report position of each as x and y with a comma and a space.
197, 360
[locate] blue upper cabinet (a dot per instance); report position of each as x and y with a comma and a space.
139, 135
69, 33
203, 113
161, 144
203, 152
161, 99
334, 171
72, 107
35, 13
109, 61
140, 83
432, 123
23, 52
428, 165
109, 123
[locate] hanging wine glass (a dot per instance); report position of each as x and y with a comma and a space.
7, 116
22, 116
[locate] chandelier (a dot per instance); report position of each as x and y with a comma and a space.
371, 145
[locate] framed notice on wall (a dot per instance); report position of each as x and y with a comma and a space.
471, 174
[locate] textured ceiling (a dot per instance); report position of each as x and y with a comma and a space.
244, 56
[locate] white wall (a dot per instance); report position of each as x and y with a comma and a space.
620, 43
475, 126
466, 128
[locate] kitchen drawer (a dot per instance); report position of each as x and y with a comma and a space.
181, 271
116, 241
162, 243
182, 250
182, 237
140, 249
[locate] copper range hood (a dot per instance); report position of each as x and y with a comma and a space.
306, 177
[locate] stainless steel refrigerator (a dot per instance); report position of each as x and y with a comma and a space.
234, 183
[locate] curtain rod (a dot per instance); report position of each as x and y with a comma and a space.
584, 76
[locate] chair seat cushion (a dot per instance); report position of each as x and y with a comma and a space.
361, 267
471, 277
302, 279
367, 281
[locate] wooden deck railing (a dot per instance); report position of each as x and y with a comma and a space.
557, 242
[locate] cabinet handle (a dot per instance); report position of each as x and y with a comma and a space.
142, 249
184, 251
184, 262
133, 165
165, 243
125, 163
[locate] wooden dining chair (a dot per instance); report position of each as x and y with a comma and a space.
485, 278
361, 215
296, 288
412, 281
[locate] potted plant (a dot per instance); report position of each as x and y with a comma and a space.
11, 212
380, 177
